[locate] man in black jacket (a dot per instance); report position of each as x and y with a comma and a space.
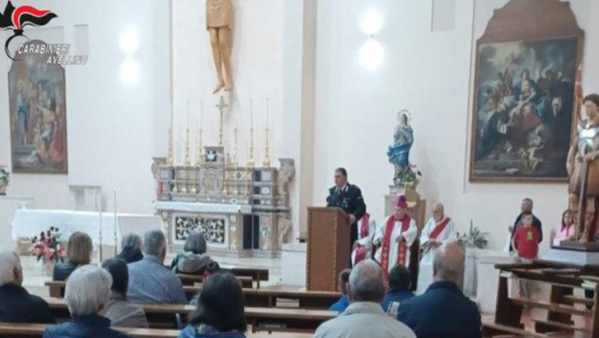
16, 304
349, 198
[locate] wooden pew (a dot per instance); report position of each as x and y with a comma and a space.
253, 297
270, 319
56, 288
272, 297
191, 280
258, 275
37, 330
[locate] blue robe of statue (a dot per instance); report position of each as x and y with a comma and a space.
399, 152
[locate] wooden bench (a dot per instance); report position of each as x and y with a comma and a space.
253, 297
270, 319
275, 297
37, 330
191, 280
492, 330
561, 306
56, 288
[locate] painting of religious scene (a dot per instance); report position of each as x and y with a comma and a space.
523, 110
37, 115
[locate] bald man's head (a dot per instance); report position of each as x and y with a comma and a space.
438, 212
366, 282
448, 264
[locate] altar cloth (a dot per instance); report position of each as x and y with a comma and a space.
28, 223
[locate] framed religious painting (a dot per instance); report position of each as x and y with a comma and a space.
38, 122
524, 93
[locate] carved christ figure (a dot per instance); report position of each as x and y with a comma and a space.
219, 23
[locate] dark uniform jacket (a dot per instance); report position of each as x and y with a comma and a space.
350, 199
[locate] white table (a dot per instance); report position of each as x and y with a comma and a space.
8, 205
30, 222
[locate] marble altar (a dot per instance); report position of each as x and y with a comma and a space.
243, 210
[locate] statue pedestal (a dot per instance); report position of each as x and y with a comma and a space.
578, 246
417, 211
574, 257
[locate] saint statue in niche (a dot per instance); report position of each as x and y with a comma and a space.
219, 22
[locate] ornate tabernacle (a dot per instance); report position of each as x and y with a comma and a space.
241, 210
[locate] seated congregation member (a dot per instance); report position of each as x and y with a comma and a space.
399, 289
87, 292
131, 249
343, 302
194, 259
79, 252
16, 304
443, 310
220, 311
121, 312
438, 230
150, 282
365, 317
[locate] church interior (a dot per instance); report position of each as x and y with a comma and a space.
433, 141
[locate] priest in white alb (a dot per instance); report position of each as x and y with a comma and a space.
395, 237
438, 230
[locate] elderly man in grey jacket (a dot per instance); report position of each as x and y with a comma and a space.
365, 316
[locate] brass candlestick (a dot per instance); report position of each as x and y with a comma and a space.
266, 163
234, 161
187, 148
171, 156
200, 150
251, 161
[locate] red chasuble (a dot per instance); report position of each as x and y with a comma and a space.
401, 248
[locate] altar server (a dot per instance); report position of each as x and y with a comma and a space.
395, 237
366, 230
438, 230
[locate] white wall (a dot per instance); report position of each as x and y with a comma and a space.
267, 50
114, 129
428, 73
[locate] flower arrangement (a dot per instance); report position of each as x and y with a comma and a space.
48, 246
474, 238
409, 177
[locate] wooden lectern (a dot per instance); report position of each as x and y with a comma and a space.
328, 247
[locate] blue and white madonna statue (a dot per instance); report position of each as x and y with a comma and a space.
399, 153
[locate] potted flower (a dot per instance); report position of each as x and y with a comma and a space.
4, 180
48, 249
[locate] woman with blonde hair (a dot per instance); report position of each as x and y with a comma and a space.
79, 252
